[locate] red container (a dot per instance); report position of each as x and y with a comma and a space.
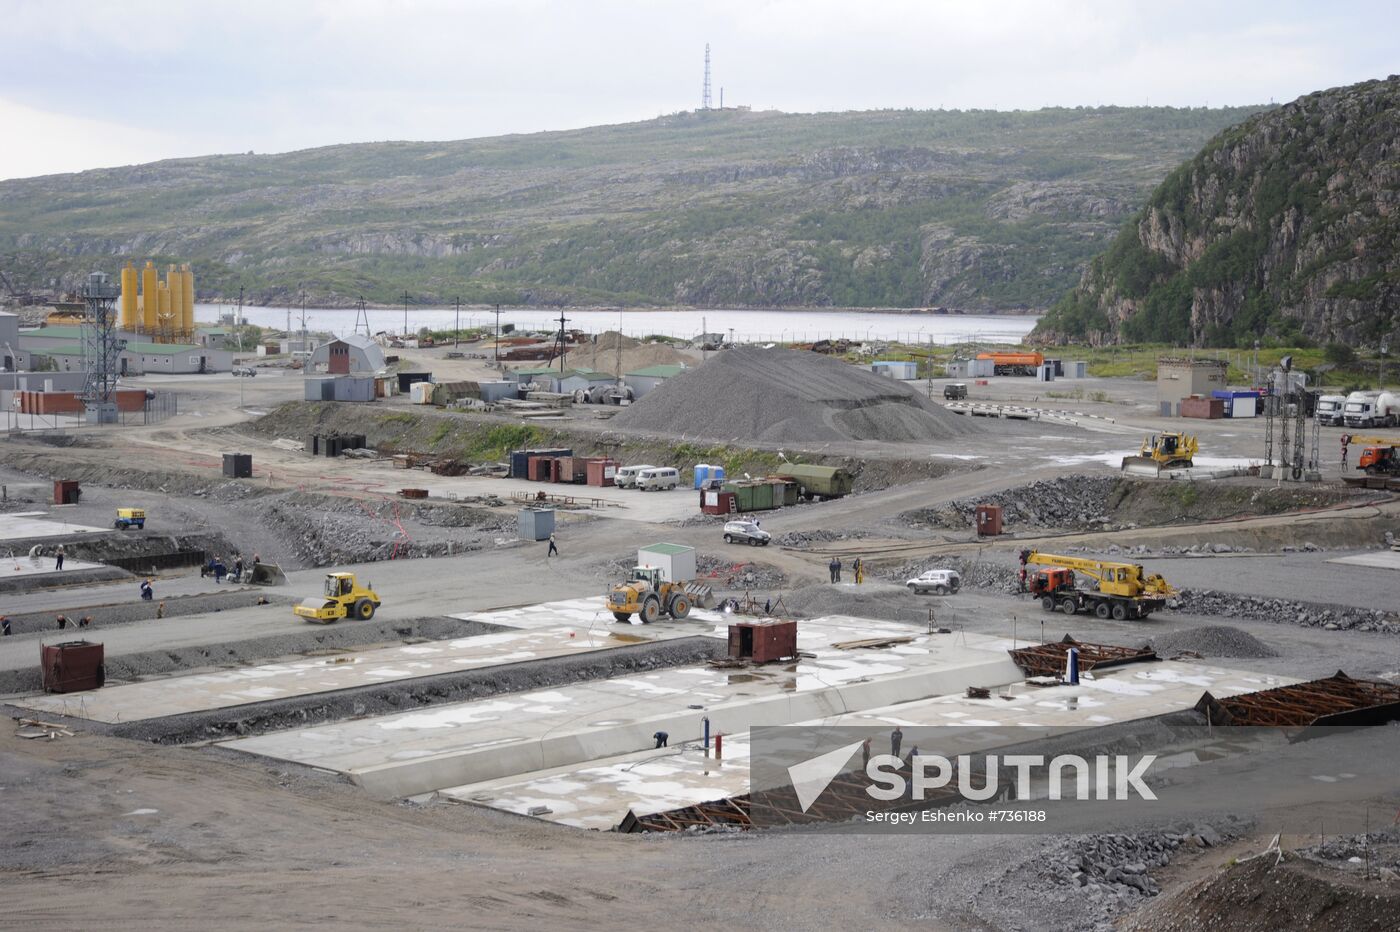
1201, 407
718, 503
763, 641
66, 492
72, 666
571, 469
988, 520
537, 468
601, 471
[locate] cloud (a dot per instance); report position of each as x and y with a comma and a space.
171, 78
42, 143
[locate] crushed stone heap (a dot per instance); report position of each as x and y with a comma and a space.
788, 396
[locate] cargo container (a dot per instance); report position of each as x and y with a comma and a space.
238, 465
520, 460
1199, 407
72, 666
752, 495
819, 481
718, 503
601, 471
763, 641
1013, 363
535, 523
66, 492
541, 469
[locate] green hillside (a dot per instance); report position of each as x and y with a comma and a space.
974, 209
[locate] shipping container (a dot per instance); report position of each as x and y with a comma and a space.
72, 666
601, 471
718, 503
535, 523
988, 520
1199, 407
520, 460
763, 641
238, 465
819, 481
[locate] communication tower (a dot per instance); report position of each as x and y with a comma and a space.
705, 94
101, 349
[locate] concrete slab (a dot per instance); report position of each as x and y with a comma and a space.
40, 570
452, 745
227, 688
24, 525
599, 794
1381, 559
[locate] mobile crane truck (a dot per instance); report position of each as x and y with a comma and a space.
1122, 590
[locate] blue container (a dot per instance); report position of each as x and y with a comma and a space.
717, 473
702, 474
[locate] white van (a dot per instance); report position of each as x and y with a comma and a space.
626, 476
658, 479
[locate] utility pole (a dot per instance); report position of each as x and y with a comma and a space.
498, 336
303, 320
239, 320
1380, 381
457, 327
704, 340
405, 314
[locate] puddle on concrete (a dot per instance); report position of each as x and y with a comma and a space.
735, 678
628, 638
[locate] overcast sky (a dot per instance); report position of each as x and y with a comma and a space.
93, 83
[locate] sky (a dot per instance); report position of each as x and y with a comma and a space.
97, 83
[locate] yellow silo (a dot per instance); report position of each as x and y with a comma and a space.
187, 279
150, 297
177, 302
163, 313
128, 318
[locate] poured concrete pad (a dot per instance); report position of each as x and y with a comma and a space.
226, 688
39, 571
598, 795
25, 525
451, 745
1381, 559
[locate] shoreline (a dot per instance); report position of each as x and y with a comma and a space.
689, 309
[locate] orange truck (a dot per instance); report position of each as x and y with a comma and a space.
1014, 363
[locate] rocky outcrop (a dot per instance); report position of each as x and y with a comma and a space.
1287, 225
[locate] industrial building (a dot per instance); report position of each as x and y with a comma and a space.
348, 354
1178, 379
11, 357
644, 380
135, 359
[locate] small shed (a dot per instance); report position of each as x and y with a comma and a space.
904, 370
676, 562
644, 380
575, 379
347, 354
495, 391
536, 523
1239, 404
1077, 369
763, 641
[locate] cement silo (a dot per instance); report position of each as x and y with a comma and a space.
129, 297
163, 310
150, 297
187, 279
177, 304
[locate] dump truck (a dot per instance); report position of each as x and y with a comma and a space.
1120, 590
129, 518
344, 598
1014, 363
1380, 458
1161, 452
648, 595
819, 482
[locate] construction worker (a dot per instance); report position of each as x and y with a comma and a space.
1346, 439
859, 567
238, 567
896, 739
62, 622
661, 738
160, 609
553, 548
865, 754
4, 626
58, 558
85, 621
147, 593
834, 569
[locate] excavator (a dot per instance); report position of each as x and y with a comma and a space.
1121, 591
1161, 452
1380, 458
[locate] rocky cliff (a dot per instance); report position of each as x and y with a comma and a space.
972, 209
1285, 227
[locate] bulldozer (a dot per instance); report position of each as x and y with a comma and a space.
1161, 452
344, 598
1121, 590
647, 595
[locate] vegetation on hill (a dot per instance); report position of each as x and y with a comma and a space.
1282, 229
976, 209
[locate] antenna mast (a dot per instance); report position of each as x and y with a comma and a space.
705, 94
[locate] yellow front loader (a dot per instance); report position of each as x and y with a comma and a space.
1162, 452
344, 598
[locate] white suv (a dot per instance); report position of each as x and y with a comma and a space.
746, 532
939, 581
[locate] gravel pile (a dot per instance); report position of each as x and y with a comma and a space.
803, 540
1212, 641
873, 599
748, 394
978, 575
1088, 881
1306, 614
1067, 502
1142, 550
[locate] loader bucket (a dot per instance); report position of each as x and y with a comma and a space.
267, 574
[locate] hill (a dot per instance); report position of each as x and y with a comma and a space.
1284, 227
977, 209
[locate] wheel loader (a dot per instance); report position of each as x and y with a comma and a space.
344, 598
1161, 452
648, 596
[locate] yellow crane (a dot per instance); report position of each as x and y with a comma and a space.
1120, 590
